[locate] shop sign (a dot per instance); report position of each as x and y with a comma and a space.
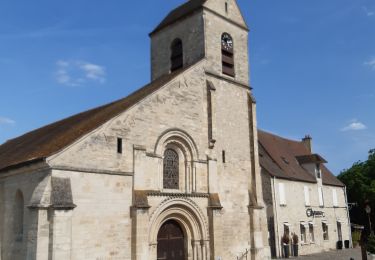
316, 214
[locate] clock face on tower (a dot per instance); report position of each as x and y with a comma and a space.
227, 42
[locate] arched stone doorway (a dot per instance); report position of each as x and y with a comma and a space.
189, 219
171, 242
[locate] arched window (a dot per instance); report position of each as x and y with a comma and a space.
170, 170
176, 55
227, 54
18, 217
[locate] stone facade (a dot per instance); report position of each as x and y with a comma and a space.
91, 200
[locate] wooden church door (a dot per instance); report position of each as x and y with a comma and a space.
171, 242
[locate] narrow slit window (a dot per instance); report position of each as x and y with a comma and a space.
227, 55
223, 155
119, 145
226, 8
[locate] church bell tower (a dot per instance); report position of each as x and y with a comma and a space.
210, 29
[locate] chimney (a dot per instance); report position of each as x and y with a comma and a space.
307, 141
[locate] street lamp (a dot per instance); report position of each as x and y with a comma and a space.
368, 211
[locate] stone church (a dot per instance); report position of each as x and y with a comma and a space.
170, 172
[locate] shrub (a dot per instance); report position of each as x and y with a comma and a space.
371, 244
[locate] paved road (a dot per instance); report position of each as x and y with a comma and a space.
334, 255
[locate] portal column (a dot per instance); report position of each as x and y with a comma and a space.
204, 250
197, 250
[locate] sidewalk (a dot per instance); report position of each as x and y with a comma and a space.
346, 254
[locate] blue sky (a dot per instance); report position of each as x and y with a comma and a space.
312, 65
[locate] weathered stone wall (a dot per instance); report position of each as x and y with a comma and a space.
294, 212
100, 226
25, 182
232, 12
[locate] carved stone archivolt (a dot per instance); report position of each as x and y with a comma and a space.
183, 210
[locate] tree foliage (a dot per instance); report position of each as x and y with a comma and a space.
360, 184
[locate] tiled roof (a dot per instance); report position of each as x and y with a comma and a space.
183, 10
48, 140
278, 156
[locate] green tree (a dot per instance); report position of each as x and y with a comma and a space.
360, 184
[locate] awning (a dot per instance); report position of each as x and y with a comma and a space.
341, 221
286, 224
325, 222
312, 223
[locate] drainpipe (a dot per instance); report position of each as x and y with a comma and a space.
276, 220
347, 212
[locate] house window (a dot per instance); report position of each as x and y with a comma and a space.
303, 233
18, 217
176, 55
282, 194
307, 195
325, 231
321, 200
227, 55
318, 171
223, 156
311, 232
226, 7
170, 170
334, 198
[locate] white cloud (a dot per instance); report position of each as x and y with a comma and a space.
77, 73
354, 125
370, 63
6, 121
94, 72
368, 12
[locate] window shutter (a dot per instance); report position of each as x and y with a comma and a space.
282, 194
321, 202
307, 196
334, 197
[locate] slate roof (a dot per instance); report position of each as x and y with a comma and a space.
48, 140
278, 156
183, 10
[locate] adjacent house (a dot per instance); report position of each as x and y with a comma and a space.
301, 195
